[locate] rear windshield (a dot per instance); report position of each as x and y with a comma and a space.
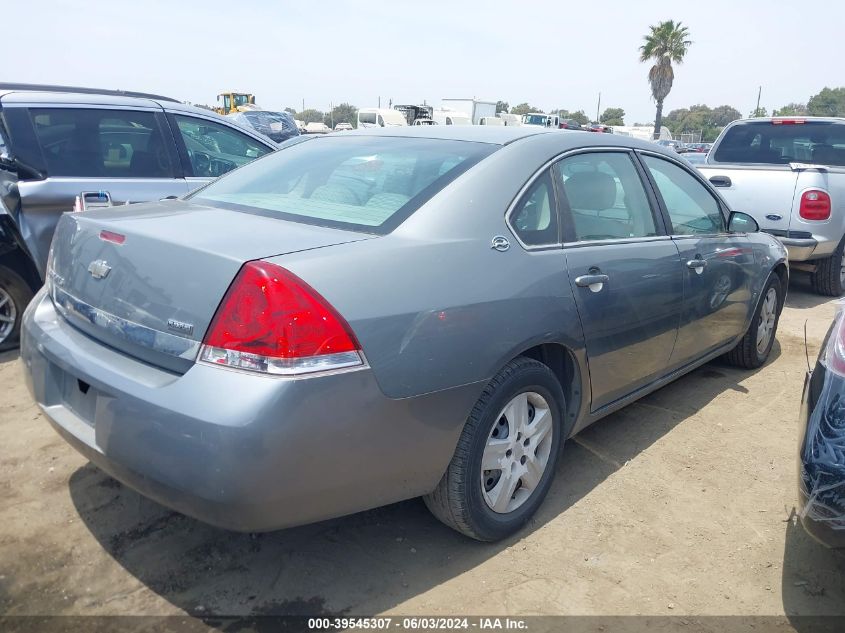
359, 183
763, 142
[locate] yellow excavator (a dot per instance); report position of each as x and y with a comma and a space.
233, 102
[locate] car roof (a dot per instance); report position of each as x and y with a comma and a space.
504, 135
50, 95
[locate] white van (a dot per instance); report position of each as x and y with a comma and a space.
451, 117
490, 120
380, 117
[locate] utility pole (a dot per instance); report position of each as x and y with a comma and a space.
598, 107
303, 104
331, 113
379, 102
759, 92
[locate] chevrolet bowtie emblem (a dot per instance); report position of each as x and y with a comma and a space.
99, 268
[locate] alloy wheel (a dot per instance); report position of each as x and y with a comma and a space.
766, 326
8, 314
517, 452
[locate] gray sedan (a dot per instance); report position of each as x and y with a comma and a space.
372, 316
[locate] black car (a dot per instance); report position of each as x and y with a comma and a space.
821, 472
570, 124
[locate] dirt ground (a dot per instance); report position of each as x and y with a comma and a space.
679, 504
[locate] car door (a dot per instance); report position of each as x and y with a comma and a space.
623, 270
119, 154
210, 148
717, 266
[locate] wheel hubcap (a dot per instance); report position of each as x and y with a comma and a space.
8, 315
517, 452
766, 325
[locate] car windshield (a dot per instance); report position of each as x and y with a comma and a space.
535, 119
366, 184
766, 142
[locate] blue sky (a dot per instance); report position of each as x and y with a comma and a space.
551, 54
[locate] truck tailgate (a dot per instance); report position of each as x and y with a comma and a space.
765, 193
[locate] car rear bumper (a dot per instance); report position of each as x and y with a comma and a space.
799, 249
237, 450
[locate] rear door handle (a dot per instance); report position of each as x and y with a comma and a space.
720, 181
593, 282
697, 265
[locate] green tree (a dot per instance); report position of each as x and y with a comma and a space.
666, 43
758, 112
613, 116
524, 108
291, 111
724, 114
342, 113
310, 115
829, 102
502, 106
791, 109
579, 116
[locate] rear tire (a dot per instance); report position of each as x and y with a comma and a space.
829, 277
490, 504
15, 295
751, 352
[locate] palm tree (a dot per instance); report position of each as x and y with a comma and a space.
666, 43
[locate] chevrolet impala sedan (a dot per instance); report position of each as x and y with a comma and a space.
367, 317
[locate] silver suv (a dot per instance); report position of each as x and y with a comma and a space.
68, 148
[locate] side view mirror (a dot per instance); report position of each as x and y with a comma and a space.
740, 222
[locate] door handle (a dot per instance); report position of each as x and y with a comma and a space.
720, 181
593, 282
697, 265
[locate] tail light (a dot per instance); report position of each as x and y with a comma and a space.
272, 322
788, 121
815, 205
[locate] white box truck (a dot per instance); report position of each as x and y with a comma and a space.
474, 108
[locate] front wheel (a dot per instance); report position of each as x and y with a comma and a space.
505, 460
754, 348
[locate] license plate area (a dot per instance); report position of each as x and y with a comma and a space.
78, 396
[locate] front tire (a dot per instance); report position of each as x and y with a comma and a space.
754, 348
15, 294
828, 279
505, 460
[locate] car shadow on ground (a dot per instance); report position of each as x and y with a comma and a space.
9, 356
813, 580
801, 294
368, 562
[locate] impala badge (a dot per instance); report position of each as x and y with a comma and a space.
99, 268
181, 326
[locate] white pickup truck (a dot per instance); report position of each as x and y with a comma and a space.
789, 174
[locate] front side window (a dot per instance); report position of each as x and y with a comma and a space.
213, 148
606, 197
359, 183
692, 208
534, 218
92, 143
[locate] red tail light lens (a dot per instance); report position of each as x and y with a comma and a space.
271, 321
788, 121
815, 205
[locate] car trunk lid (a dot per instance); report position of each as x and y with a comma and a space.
147, 279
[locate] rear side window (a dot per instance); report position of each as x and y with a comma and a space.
367, 117
764, 142
368, 184
605, 196
534, 219
214, 148
93, 143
